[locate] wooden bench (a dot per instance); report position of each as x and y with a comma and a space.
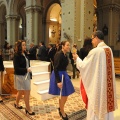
117, 66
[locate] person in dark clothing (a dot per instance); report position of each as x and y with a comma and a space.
32, 52
42, 53
22, 76
50, 55
1, 71
87, 46
73, 63
56, 84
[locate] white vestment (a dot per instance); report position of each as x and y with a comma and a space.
94, 78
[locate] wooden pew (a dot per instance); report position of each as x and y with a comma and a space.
117, 66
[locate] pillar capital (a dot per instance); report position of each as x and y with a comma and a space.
110, 7
14, 17
33, 8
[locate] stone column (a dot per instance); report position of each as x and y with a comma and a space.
32, 23
24, 30
103, 20
82, 22
37, 36
2, 33
68, 23
114, 23
110, 26
109, 16
77, 22
12, 28
47, 31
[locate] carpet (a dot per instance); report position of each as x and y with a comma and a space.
45, 110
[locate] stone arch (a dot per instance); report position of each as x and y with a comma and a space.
3, 25
4, 3
17, 8
14, 5
53, 10
22, 14
2, 12
48, 6
38, 2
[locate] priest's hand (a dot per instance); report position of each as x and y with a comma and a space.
74, 56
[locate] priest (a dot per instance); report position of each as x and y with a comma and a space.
98, 79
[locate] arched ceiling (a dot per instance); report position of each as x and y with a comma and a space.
2, 12
16, 5
95, 3
54, 12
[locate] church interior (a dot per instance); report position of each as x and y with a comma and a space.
53, 21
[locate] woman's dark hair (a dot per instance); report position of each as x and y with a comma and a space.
42, 43
19, 46
63, 42
59, 47
88, 44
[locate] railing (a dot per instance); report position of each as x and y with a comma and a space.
117, 66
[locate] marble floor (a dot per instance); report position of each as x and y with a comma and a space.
76, 83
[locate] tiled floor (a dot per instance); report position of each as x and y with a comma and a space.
76, 83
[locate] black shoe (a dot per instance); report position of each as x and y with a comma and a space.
32, 113
18, 107
65, 118
59, 112
1, 101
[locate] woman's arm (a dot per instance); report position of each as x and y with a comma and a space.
56, 66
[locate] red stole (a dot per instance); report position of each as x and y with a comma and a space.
83, 94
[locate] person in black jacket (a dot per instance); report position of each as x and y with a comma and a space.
32, 52
87, 46
42, 52
58, 86
50, 55
1, 71
22, 76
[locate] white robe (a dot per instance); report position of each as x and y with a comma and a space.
93, 74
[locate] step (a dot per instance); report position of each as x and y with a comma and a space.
45, 95
37, 77
43, 92
38, 62
40, 85
39, 68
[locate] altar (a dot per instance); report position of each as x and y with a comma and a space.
39, 83
7, 79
